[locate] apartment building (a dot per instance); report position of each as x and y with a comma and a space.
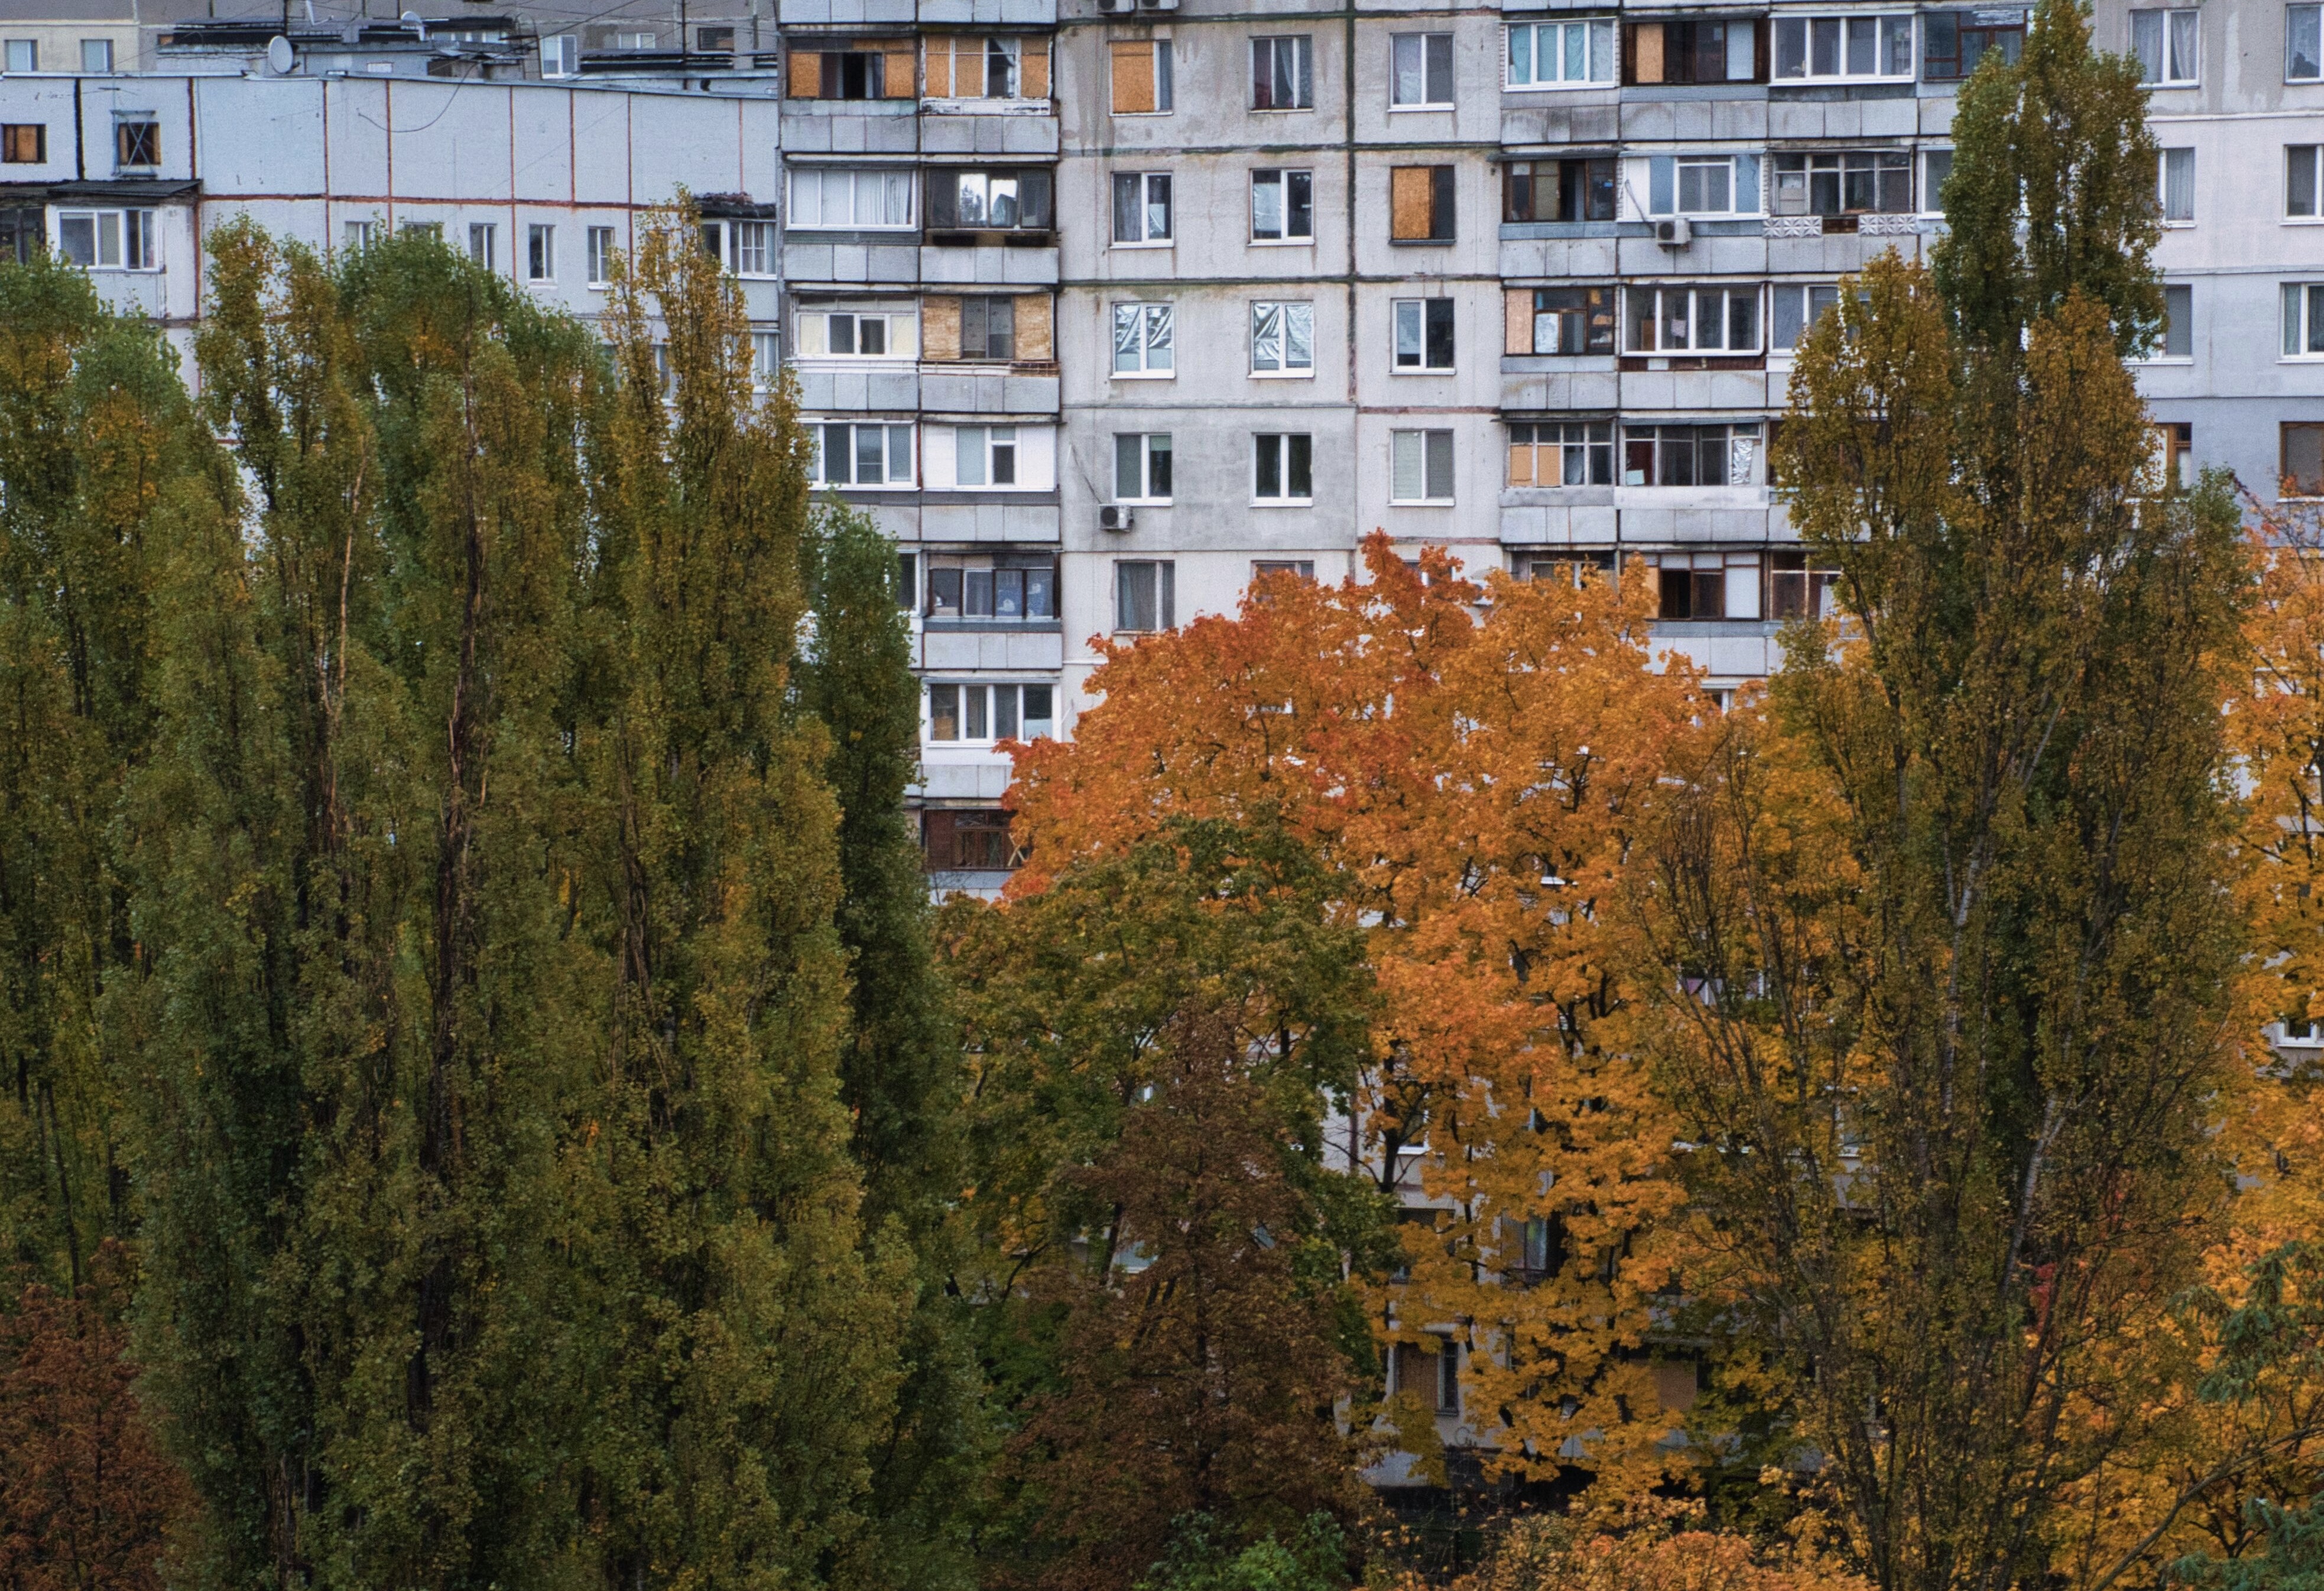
1103, 307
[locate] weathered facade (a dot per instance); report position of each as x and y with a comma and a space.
1101, 309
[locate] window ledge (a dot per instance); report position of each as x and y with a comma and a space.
1282, 242
1437, 105
1282, 375
1145, 376
942, 626
1283, 503
1420, 503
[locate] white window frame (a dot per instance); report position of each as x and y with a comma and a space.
1424, 450
355, 236
1885, 28
742, 241
104, 66
1747, 434
1931, 194
1165, 575
974, 569
1146, 191
485, 243
1301, 50
1579, 445
898, 335
131, 230
1146, 447
601, 245
540, 252
1412, 315
2181, 320
2303, 25
1424, 45
892, 432
996, 448
996, 707
1282, 445
561, 56
2310, 156
1601, 54
2302, 313
2184, 190
766, 359
1289, 315
1282, 179
1654, 300
2173, 27
1145, 342
1814, 299
886, 181
1682, 164
26, 50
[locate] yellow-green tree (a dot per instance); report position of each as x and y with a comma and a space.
1942, 933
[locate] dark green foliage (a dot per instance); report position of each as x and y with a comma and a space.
2052, 192
899, 1065
103, 460
1315, 1558
2270, 1358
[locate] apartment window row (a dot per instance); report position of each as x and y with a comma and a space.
943, 67
1589, 453
136, 142
983, 587
976, 328
1717, 585
969, 712
1723, 317
879, 454
1835, 183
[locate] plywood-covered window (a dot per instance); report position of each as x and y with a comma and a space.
856, 69
1142, 77
977, 66
1420, 204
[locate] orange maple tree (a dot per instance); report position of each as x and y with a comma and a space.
1471, 763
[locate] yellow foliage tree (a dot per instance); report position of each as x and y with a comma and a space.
1471, 763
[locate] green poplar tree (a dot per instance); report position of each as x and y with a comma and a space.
899, 1070
100, 453
1946, 933
359, 1062
745, 1339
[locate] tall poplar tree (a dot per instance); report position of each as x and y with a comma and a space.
1945, 934
356, 1063
900, 1068
743, 1338
101, 456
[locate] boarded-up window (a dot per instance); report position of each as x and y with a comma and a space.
940, 328
1133, 77
1141, 76
1420, 204
987, 66
1516, 317
1035, 337
860, 69
1646, 52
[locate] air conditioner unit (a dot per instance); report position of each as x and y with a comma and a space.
1158, 5
1115, 7
1675, 232
1113, 517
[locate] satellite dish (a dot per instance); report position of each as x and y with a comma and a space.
280, 57
416, 22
